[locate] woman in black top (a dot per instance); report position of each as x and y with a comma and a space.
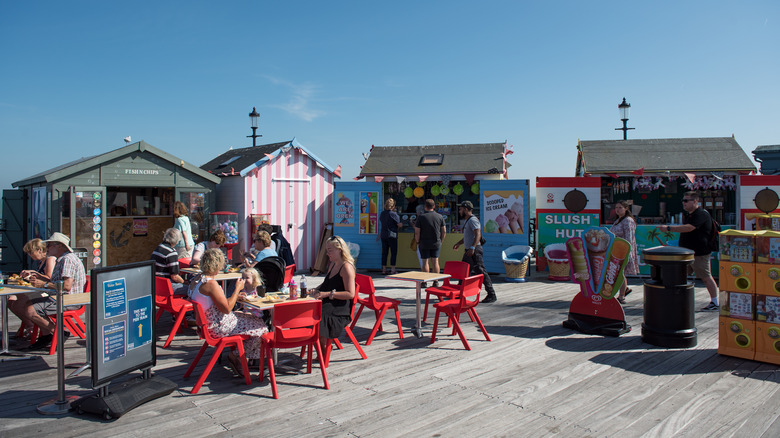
388, 224
337, 291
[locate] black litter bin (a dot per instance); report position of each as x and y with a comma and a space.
669, 315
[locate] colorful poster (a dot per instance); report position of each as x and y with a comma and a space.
345, 210
559, 227
368, 212
504, 212
140, 226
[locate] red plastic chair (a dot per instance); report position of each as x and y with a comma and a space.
380, 305
185, 263
71, 319
348, 331
167, 302
295, 324
465, 303
289, 271
235, 341
448, 290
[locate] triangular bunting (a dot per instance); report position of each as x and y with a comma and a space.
337, 172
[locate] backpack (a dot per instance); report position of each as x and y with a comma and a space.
715, 237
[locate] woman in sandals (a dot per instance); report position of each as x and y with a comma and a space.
221, 320
625, 228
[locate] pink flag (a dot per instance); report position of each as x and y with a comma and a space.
337, 172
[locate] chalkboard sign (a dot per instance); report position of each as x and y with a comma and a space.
121, 320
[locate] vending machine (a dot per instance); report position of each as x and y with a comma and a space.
737, 261
737, 329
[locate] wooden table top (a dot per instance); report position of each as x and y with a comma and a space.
418, 276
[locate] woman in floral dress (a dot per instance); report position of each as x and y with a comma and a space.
625, 228
222, 321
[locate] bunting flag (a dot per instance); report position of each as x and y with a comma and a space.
270, 157
446, 179
613, 175
470, 177
337, 172
378, 178
507, 150
690, 176
640, 171
423, 177
400, 179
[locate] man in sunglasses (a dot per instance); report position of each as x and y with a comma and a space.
695, 233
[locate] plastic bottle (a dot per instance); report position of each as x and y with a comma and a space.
304, 289
293, 290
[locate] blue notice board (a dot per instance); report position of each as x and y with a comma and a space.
121, 326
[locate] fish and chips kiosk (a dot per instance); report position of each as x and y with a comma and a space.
114, 206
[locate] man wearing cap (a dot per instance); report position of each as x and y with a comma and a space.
69, 270
472, 234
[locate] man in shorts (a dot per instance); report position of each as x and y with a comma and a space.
429, 231
695, 234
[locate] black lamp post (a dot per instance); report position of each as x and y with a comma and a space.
624, 109
254, 116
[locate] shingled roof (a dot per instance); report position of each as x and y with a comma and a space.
480, 158
241, 161
716, 154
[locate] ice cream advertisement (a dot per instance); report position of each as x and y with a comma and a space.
368, 212
504, 212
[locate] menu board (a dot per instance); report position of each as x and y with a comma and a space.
121, 320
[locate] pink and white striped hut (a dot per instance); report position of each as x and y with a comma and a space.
284, 180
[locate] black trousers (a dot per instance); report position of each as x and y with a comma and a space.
478, 267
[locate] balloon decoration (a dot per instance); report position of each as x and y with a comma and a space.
475, 188
458, 189
435, 190
419, 192
444, 190
420, 183
408, 192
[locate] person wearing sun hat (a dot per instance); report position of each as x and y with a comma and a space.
69, 270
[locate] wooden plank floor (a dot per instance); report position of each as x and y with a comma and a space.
535, 378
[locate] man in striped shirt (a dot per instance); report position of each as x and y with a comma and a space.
166, 261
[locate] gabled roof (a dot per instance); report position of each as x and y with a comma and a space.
479, 158
716, 154
77, 166
242, 161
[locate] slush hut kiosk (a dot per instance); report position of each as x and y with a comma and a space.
448, 174
653, 175
565, 208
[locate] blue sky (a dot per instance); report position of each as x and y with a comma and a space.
77, 77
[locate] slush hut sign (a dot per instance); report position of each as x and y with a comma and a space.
567, 225
142, 171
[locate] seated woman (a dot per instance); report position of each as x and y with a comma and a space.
36, 249
262, 246
222, 321
337, 291
217, 240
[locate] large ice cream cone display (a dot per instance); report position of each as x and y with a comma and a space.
597, 260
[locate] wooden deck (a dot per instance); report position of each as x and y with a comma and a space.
535, 378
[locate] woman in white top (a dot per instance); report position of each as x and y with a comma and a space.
222, 321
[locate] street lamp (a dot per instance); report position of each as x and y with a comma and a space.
624, 108
254, 116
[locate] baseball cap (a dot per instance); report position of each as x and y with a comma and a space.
467, 205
